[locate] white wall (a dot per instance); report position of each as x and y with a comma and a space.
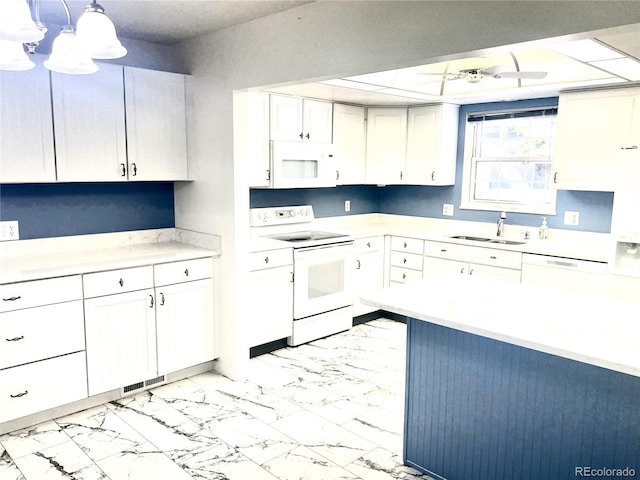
328, 39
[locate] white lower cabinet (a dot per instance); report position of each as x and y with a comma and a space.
369, 270
271, 287
184, 314
42, 358
405, 260
121, 340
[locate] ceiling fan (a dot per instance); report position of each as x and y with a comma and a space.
475, 75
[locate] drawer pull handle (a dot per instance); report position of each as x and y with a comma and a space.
404, 276
471, 272
404, 260
121, 282
151, 301
493, 257
444, 250
266, 259
123, 170
358, 265
462, 270
135, 169
161, 298
14, 339
11, 299
18, 395
369, 244
186, 272
405, 244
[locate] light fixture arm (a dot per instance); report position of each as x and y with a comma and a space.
66, 10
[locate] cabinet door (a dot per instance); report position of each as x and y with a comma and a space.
271, 309
156, 124
486, 271
317, 121
286, 118
88, 112
386, 145
432, 137
258, 140
369, 275
184, 319
349, 138
592, 128
121, 340
26, 127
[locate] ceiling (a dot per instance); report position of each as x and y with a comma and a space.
171, 21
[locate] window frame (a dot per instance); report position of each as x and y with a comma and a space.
467, 202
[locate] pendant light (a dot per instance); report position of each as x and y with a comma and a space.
13, 57
16, 23
98, 33
68, 55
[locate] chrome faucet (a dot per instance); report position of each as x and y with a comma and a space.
500, 231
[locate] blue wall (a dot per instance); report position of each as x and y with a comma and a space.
594, 207
61, 209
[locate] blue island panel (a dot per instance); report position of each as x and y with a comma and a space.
482, 409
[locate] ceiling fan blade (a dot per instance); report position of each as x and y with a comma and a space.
527, 75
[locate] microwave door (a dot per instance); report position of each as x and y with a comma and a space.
302, 166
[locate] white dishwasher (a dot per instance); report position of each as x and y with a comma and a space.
583, 276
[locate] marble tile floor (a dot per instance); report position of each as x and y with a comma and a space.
328, 410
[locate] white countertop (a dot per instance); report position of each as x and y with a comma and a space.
48, 258
597, 330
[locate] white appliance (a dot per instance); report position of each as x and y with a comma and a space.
322, 285
302, 165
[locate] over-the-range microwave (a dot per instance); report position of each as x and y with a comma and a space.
302, 165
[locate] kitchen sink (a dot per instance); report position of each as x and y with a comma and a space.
487, 240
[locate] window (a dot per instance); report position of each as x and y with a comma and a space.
508, 161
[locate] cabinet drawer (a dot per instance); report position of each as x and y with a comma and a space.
185, 271
406, 260
117, 281
444, 250
368, 244
19, 295
42, 385
404, 244
41, 332
270, 259
404, 275
496, 257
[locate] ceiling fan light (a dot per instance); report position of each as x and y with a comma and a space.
16, 23
98, 33
13, 58
69, 56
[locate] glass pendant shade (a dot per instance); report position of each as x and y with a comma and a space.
96, 31
69, 56
16, 23
13, 57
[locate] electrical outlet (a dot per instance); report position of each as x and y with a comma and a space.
347, 205
447, 209
571, 218
9, 230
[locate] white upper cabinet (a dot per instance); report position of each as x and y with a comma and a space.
259, 170
89, 124
432, 139
294, 119
386, 145
349, 138
156, 124
593, 128
26, 129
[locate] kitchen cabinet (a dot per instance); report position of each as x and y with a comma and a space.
295, 119
386, 145
90, 136
271, 286
26, 127
349, 139
432, 139
120, 328
156, 113
258, 153
369, 270
573, 275
43, 346
405, 260
184, 314
448, 258
593, 127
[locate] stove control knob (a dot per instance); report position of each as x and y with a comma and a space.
292, 213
